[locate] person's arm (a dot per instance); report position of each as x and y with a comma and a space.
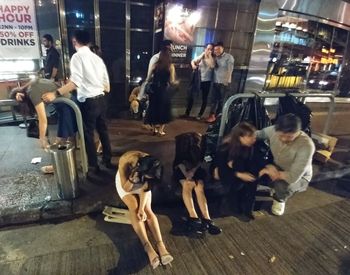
40, 110
302, 161
230, 65
239, 168
54, 73
184, 171
195, 62
144, 197
266, 133
151, 65
150, 73
106, 85
127, 179
173, 75
21, 88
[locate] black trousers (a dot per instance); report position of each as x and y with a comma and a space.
241, 196
93, 111
219, 95
205, 88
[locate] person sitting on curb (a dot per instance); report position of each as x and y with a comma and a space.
236, 165
137, 174
292, 151
189, 173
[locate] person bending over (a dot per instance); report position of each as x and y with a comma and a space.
292, 151
236, 166
189, 173
137, 174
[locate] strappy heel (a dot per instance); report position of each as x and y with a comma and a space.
155, 132
166, 258
155, 262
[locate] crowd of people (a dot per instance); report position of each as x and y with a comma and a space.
236, 165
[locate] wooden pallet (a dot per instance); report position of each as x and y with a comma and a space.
116, 215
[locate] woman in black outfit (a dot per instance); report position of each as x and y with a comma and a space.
189, 173
237, 167
159, 110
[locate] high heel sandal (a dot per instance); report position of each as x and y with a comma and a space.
166, 258
155, 262
155, 132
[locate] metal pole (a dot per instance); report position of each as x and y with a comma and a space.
230, 100
225, 109
74, 106
97, 23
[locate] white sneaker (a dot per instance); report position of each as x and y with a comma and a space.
278, 208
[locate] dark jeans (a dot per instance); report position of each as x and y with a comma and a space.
218, 98
284, 190
205, 88
94, 117
241, 196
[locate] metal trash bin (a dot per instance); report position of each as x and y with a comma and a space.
65, 171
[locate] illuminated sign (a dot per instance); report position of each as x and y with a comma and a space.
18, 30
180, 24
293, 39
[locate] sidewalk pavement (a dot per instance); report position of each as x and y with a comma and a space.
29, 196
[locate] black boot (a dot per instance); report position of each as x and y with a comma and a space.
211, 227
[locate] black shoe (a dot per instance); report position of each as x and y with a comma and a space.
194, 228
211, 227
109, 165
246, 217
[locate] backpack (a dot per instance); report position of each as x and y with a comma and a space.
289, 104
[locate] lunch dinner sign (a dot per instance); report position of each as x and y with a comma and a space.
18, 30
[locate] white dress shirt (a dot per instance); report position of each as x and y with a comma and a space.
88, 73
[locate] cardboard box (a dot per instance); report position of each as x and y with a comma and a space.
324, 146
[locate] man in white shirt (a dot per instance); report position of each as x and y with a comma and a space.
90, 78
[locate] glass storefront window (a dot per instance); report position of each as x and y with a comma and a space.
141, 53
307, 54
79, 15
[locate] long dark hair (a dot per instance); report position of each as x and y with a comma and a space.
232, 143
189, 150
164, 60
24, 107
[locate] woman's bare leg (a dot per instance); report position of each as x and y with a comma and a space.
187, 188
202, 200
161, 128
40, 111
153, 225
139, 226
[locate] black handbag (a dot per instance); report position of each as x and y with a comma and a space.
33, 129
149, 90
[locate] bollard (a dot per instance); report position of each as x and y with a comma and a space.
65, 170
